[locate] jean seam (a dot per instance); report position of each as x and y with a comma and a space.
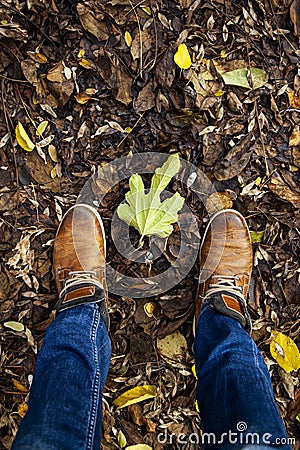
96, 384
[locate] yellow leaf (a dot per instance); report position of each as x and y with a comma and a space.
22, 409
256, 236
182, 57
147, 10
15, 326
135, 395
218, 201
121, 439
85, 63
23, 139
294, 100
19, 386
52, 153
91, 91
285, 352
223, 54
149, 308
194, 371
38, 57
81, 53
53, 173
41, 128
139, 447
128, 38
219, 93
295, 137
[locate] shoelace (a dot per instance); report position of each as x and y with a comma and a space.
79, 277
225, 283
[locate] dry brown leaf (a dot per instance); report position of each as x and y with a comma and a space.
145, 99
58, 83
92, 20
283, 185
29, 70
218, 201
235, 161
83, 97
38, 57
295, 16
294, 100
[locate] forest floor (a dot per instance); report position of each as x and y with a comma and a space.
95, 81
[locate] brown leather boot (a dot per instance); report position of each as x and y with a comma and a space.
226, 266
79, 260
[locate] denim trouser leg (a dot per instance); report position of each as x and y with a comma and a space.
65, 399
234, 387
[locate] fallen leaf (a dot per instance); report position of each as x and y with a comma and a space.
147, 10
235, 160
295, 137
285, 352
83, 97
128, 38
240, 77
92, 20
173, 346
85, 63
145, 99
182, 57
139, 447
121, 439
294, 100
52, 153
15, 326
38, 57
218, 201
135, 395
295, 16
283, 185
23, 139
256, 236
145, 212
19, 386
22, 409
149, 308
41, 128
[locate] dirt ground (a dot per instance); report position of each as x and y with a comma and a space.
94, 81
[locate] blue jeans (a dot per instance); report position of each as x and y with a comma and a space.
234, 386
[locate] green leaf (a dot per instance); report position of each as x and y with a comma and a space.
16, 326
240, 77
256, 236
145, 212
